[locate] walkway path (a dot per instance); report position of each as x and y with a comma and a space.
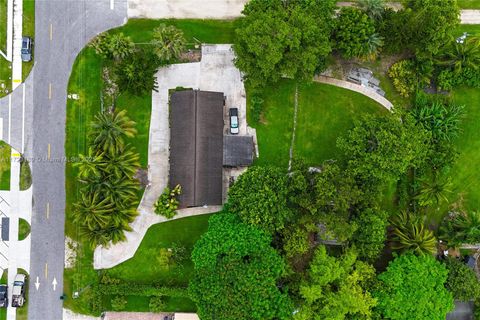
470, 16
17, 43
215, 72
357, 88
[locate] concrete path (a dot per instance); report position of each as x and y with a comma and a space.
17, 43
470, 16
357, 88
9, 29
215, 72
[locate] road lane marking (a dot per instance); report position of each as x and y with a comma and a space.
54, 284
46, 270
9, 116
23, 119
112, 4
51, 32
47, 212
49, 91
37, 284
49, 151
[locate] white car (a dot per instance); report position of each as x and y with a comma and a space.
233, 120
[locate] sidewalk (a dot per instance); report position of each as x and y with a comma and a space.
470, 16
17, 43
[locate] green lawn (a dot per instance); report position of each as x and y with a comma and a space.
471, 29
25, 175
4, 280
205, 31
324, 113
469, 4
4, 166
143, 268
28, 27
3, 25
465, 174
23, 229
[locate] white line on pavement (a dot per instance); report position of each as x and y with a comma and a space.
23, 119
112, 4
9, 116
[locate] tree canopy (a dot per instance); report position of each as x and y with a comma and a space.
335, 288
283, 38
413, 287
259, 197
236, 273
462, 280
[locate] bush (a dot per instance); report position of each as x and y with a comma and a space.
403, 75
167, 203
119, 303
462, 281
156, 304
447, 80
164, 257
113, 46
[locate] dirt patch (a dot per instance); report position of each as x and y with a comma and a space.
71, 248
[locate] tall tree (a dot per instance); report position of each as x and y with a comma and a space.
462, 280
460, 55
461, 228
237, 272
336, 288
278, 38
259, 197
168, 42
374, 8
370, 237
413, 287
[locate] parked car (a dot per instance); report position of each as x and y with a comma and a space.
18, 293
233, 120
3, 295
26, 49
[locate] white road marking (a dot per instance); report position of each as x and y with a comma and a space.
54, 284
23, 119
51, 32
49, 91
112, 4
9, 117
47, 212
37, 284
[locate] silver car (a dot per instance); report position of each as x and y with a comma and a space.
233, 120
26, 49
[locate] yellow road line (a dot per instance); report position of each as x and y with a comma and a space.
48, 151
48, 210
51, 32
49, 91
46, 270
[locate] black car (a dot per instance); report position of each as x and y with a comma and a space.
3, 295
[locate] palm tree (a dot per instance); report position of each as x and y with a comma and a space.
120, 46
442, 121
120, 191
410, 234
168, 42
90, 166
461, 228
434, 191
459, 56
124, 163
372, 47
93, 212
109, 130
374, 8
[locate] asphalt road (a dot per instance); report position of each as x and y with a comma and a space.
62, 29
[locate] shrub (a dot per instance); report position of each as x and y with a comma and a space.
113, 46
462, 281
167, 203
164, 257
156, 304
119, 303
404, 77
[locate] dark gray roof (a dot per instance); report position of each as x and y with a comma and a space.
237, 151
196, 146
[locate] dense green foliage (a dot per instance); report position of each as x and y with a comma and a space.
370, 237
278, 38
411, 234
461, 228
167, 204
259, 197
355, 34
462, 280
413, 287
335, 288
384, 148
236, 273
168, 42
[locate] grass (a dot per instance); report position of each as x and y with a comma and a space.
23, 229
22, 313
465, 173
142, 268
324, 113
28, 26
3, 24
25, 175
469, 4
471, 29
5, 77
4, 280
205, 31
4, 166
